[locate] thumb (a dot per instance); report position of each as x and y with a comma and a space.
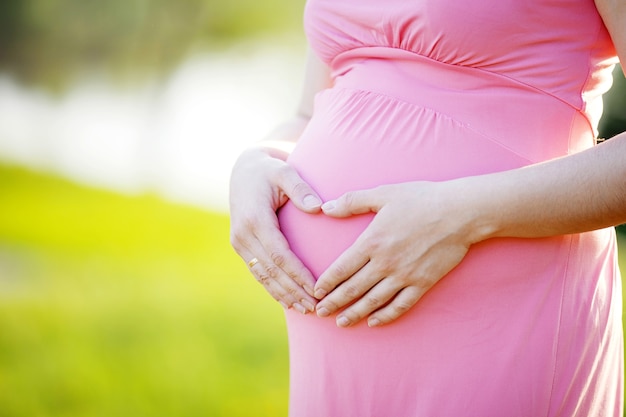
353, 202
299, 192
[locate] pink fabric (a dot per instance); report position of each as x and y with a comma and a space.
434, 90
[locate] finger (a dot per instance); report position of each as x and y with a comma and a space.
349, 291
346, 265
397, 307
288, 293
374, 299
354, 202
277, 252
298, 191
285, 296
258, 272
276, 267
281, 285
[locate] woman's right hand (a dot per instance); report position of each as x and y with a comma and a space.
260, 184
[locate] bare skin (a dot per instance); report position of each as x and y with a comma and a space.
386, 265
386, 271
260, 183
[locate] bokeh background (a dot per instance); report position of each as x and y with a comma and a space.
119, 122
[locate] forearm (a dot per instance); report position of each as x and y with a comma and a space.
577, 193
280, 141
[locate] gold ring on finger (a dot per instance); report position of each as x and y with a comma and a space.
253, 262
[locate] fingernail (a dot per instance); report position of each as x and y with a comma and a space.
329, 205
311, 201
308, 305
373, 322
285, 306
323, 312
342, 321
320, 293
299, 308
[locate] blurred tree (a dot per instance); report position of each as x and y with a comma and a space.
48, 41
614, 117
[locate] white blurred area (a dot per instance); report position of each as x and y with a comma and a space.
178, 138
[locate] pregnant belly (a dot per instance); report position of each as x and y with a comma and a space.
359, 140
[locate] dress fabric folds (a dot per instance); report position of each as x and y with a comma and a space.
435, 90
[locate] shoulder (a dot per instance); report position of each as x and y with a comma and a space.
613, 13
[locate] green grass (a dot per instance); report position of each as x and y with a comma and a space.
113, 305
121, 306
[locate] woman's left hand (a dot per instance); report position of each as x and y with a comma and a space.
420, 232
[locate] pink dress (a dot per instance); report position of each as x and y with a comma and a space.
440, 89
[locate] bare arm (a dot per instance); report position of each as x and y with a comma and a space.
260, 183
316, 78
577, 193
381, 278
613, 13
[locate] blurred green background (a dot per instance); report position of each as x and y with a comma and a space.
49, 42
113, 305
128, 305
131, 305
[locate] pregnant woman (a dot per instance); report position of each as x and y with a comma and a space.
437, 218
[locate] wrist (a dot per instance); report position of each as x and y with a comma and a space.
279, 149
281, 140
479, 214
